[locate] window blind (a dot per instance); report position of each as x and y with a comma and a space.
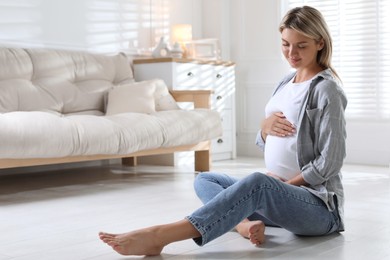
360, 31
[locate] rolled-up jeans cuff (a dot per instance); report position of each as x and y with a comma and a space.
200, 241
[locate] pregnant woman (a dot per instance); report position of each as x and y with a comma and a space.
303, 137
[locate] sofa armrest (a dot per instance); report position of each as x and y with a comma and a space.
200, 98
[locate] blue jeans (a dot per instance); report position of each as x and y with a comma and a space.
228, 201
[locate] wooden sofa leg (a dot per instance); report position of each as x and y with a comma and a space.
129, 161
202, 161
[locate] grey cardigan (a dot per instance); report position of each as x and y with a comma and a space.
321, 139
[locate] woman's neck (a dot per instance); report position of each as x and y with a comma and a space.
306, 74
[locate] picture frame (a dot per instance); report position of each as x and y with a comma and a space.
204, 49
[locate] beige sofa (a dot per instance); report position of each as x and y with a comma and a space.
59, 106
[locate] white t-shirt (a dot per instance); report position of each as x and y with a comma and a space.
280, 153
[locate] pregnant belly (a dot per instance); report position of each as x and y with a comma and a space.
280, 156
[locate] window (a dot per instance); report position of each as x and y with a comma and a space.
361, 35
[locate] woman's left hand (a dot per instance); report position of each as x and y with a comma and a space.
297, 181
275, 176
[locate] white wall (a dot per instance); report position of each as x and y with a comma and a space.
255, 48
96, 25
216, 24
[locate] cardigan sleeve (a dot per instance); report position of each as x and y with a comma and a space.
259, 140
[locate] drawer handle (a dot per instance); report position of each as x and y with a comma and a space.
219, 97
190, 74
219, 76
220, 141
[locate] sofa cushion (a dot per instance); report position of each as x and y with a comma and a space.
189, 126
137, 97
39, 134
163, 99
78, 66
78, 81
58, 80
49, 134
123, 100
15, 63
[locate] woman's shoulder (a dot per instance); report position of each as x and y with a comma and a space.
326, 82
325, 86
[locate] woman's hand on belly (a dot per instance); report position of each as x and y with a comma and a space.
277, 125
275, 176
297, 181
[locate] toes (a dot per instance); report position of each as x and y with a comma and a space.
104, 236
107, 238
256, 240
113, 244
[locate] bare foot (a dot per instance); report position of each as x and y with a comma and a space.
253, 230
139, 242
150, 241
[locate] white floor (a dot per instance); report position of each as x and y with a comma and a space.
56, 215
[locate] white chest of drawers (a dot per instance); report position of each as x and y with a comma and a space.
184, 74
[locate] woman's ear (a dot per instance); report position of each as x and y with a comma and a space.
320, 45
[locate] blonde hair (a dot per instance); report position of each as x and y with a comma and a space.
310, 22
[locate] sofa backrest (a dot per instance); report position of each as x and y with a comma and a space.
58, 80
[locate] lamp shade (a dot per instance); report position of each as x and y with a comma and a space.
182, 33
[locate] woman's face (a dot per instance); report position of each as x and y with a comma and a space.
299, 50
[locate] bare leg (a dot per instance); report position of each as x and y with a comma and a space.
253, 230
150, 241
